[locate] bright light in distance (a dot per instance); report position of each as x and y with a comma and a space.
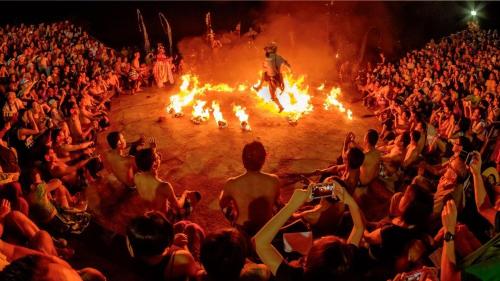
473, 13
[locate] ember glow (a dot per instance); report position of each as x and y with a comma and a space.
219, 119
295, 98
200, 113
331, 100
240, 112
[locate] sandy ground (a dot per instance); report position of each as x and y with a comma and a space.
202, 157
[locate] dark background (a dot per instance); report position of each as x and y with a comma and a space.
115, 23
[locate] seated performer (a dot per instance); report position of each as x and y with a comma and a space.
272, 72
250, 199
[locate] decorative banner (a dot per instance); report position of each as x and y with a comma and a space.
167, 30
142, 28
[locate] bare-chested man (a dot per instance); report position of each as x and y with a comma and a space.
155, 190
254, 193
370, 168
60, 169
121, 164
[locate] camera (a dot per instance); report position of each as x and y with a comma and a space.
331, 190
466, 156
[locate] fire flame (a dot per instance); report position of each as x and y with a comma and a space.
242, 87
219, 119
295, 98
185, 96
331, 100
189, 89
240, 112
321, 87
200, 113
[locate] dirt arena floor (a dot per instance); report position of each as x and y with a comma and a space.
202, 157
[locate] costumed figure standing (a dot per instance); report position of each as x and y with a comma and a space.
162, 68
272, 73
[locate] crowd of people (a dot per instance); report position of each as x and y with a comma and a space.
433, 166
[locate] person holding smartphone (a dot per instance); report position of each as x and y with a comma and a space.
330, 257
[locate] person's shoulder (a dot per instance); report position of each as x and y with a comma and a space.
183, 257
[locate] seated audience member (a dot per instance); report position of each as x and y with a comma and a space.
161, 193
151, 240
120, 164
325, 218
65, 149
224, 254
349, 172
370, 168
330, 257
69, 173
53, 206
18, 229
38, 267
412, 152
253, 195
391, 242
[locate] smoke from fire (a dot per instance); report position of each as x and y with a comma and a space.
301, 32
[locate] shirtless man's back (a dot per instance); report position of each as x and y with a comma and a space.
119, 162
254, 193
370, 168
121, 166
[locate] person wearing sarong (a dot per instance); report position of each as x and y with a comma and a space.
162, 68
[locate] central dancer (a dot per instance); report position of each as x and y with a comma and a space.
272, 72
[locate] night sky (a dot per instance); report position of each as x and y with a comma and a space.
115, 23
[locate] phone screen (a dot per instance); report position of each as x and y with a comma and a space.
327, 190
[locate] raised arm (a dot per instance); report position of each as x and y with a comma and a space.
266, 251
359, 226
449, 271
483, 204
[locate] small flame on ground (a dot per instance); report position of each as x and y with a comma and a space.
321, 87
331, 100
200, 113
219, 119
240, 112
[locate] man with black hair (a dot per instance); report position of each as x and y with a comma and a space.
151, 239
254, 194
370, 168
120, 164
159, 193
223, 255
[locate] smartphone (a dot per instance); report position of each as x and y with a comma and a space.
332, 190
466, 156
